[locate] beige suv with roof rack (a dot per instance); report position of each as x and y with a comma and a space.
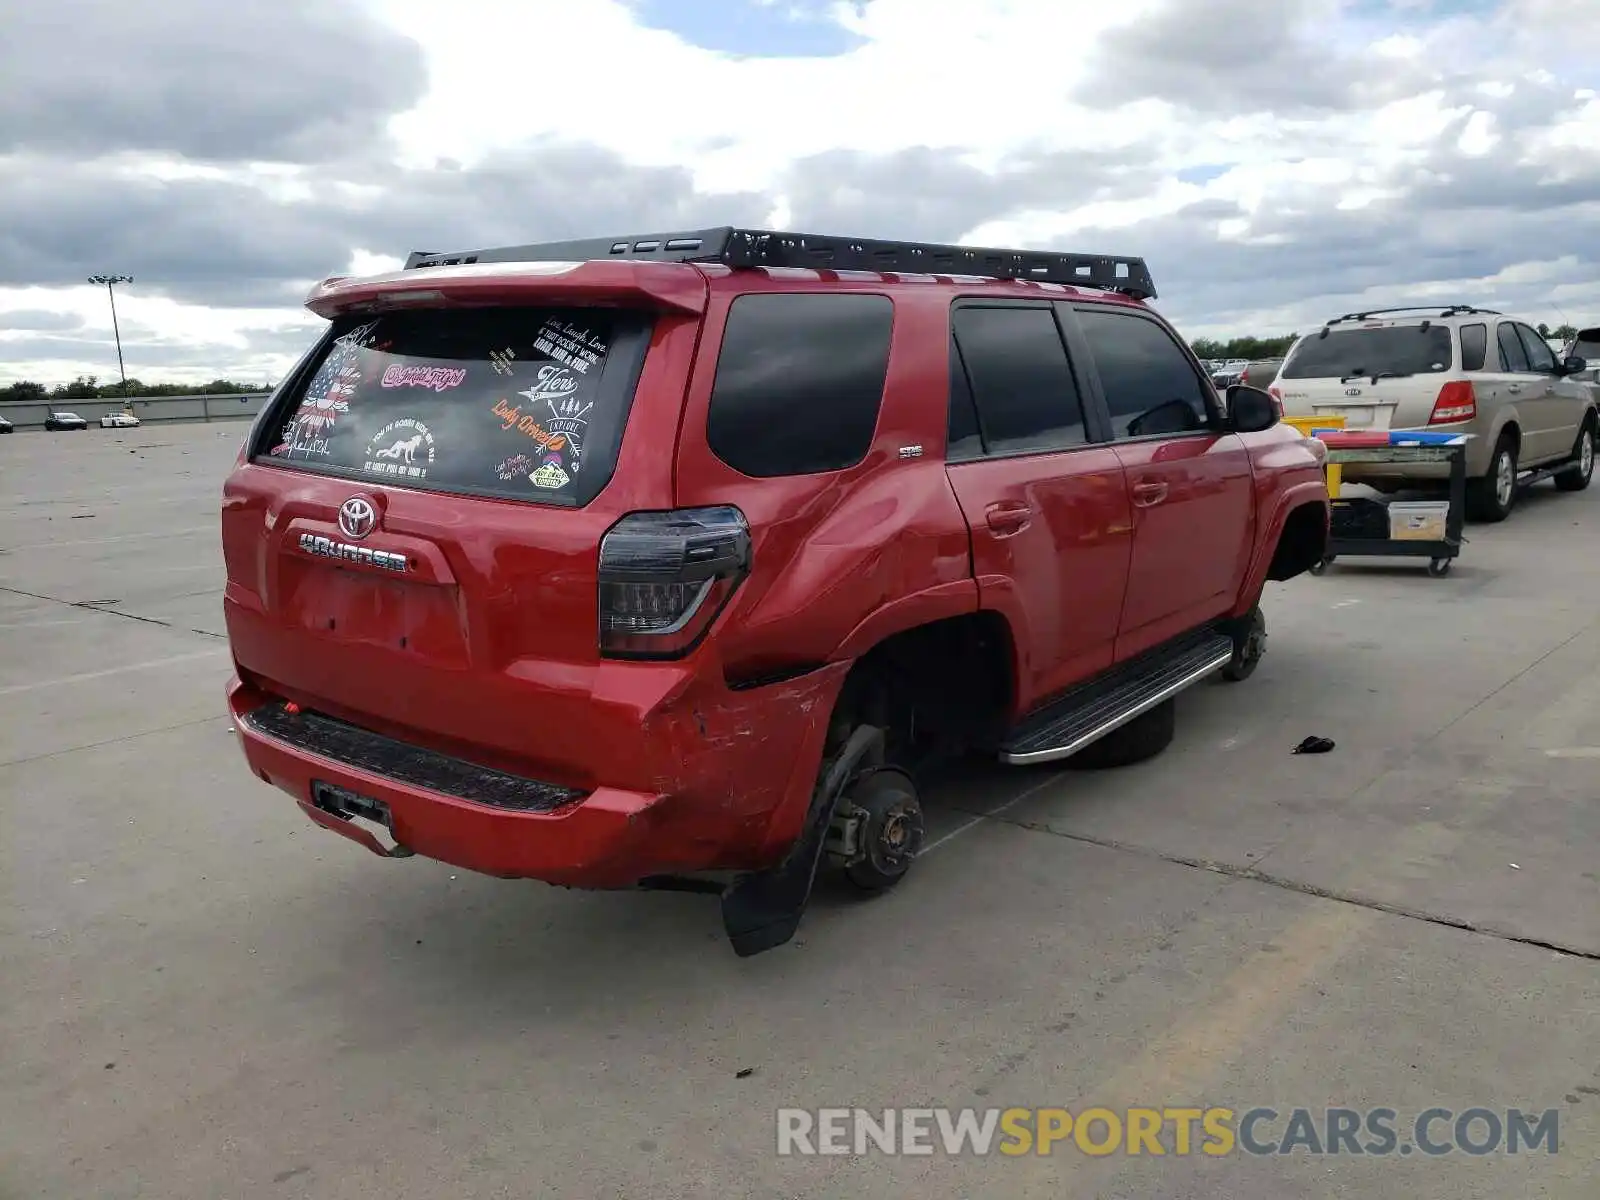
1452, 369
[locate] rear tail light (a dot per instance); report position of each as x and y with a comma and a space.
665, 576
1457, 402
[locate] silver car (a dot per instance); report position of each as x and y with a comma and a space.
1460, 370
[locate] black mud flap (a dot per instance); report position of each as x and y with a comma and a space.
762, 910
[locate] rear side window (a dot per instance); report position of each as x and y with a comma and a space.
1513, 357
1390, 350
799, 382
1014, 361
1474, 346
1150, 387
519, 403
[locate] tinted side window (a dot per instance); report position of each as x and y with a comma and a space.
1540, 356
1513, 357
1149, 385
1474, 346
799, 382
1027, 399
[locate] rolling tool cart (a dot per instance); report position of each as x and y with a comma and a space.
1379, 527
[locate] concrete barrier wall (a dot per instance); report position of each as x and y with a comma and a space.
152, 410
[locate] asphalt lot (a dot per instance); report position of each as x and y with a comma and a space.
203, 995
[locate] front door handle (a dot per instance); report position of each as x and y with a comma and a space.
1147, 494
1006, 518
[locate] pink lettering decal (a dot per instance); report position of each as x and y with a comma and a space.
440, 379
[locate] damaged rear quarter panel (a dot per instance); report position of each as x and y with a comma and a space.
744, 760
831, 550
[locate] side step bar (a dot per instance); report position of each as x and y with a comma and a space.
1090, 711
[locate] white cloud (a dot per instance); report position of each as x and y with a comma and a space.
987, 83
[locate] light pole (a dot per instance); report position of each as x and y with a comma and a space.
110, 282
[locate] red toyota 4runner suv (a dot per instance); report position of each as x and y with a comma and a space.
677, 561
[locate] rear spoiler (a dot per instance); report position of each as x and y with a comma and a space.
647, 284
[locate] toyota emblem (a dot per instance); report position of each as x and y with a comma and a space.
357, 517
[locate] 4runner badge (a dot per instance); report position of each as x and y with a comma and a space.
550, 476
322, 547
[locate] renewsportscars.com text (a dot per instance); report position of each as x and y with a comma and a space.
1216, 1132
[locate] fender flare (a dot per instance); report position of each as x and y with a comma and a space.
958, 598
1310, 491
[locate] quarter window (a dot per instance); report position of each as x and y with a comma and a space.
1150, 386
1474, 346
799, 382
1020, 379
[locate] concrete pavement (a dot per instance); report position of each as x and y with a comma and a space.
205, 996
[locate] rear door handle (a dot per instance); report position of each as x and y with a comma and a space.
1146, 494
1513, 387
1007, 517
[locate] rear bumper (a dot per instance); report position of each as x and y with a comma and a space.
745, 770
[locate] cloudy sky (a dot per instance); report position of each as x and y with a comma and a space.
1276, 161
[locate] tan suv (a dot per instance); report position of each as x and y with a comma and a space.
1458, 369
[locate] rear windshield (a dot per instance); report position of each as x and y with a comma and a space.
1589, 351
520, 403
1388, 351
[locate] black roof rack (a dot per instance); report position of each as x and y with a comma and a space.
768, 248
1453, 310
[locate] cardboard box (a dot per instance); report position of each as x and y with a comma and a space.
1418, 520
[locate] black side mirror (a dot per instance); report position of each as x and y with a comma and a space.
1250, 410
1573, 364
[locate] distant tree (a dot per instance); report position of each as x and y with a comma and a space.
89, 387
1251, 348
1564, 333
25, 390
84, 387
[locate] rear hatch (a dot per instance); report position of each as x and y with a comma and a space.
1375, 374
412, 544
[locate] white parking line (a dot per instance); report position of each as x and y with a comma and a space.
15, 688
1575, 752
977, 820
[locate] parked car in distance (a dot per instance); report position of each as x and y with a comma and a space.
65, 420
119, 420
1458, 369
647, 561
6, 426
1260, 373
1587, 347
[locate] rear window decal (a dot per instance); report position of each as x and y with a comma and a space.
503, 361
401, 448
569, 344
440, 379
551, 475
512, 417
327, 398
518, 466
